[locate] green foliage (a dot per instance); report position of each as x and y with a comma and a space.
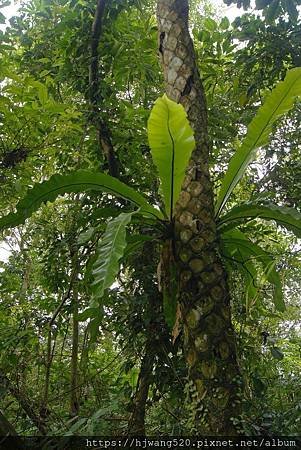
248, 251
277, 103
80, 181
288, 218
277, 353
109, 252
239, 258
272, 9
171, 141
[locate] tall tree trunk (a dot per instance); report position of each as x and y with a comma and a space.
49, 358
103, 131
136, 426
204, 298
74, 395
7, 430
51, 343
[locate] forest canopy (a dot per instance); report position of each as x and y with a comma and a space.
150, 221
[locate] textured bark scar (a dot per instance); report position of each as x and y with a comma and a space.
188, 86
162, 36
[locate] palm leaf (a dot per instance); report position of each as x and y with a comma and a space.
254, 252
279, 102
288, 218
171, 141
110, 250
80, 181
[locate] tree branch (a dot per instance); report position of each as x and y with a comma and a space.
104, 135
25, 403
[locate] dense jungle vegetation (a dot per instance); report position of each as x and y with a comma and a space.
150, 184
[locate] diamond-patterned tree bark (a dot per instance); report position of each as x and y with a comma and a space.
209, 338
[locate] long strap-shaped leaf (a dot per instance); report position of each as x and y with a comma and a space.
79, 181
236, 237
245, 265
171, 141
289, 218
110, 250
279, 102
